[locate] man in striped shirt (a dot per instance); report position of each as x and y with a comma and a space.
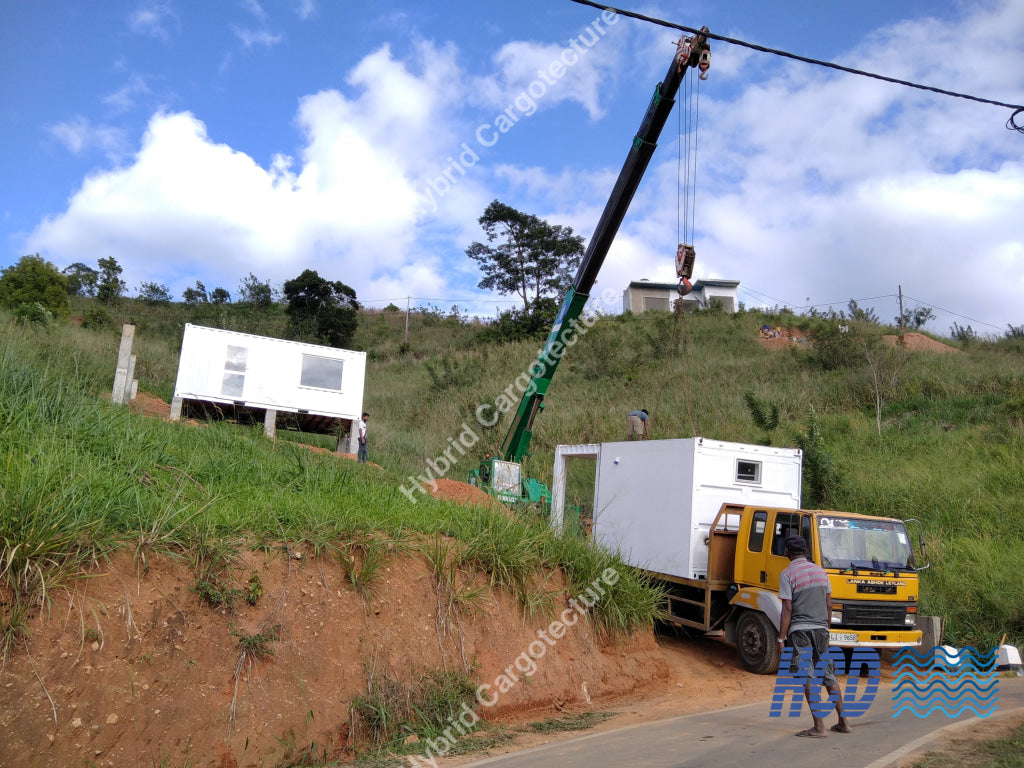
806, 613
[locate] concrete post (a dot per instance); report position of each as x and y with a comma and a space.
353, 436
270, 423
130, 383
175, 414
124, 354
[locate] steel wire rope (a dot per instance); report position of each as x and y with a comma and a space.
1011, 123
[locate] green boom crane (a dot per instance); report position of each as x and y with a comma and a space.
502, 475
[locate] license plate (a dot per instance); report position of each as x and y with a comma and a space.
843, 637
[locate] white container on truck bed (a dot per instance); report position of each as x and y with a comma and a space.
655, 500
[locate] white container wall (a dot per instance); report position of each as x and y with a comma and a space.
259, 372
655, 500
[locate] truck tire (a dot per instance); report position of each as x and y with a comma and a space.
757, 643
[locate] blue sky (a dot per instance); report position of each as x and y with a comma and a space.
204, 141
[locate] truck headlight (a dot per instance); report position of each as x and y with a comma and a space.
837, 614
911, 618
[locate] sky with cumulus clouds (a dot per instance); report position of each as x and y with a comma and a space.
206, 141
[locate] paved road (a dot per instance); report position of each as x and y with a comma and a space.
746, 736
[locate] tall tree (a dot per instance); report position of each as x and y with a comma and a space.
526, 256
34, 280
81, 279
220, 296
109, 285
195, 295
320, 310
154, 293
256, 292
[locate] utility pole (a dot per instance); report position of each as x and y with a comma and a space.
900, 289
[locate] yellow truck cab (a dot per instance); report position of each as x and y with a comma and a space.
869, 562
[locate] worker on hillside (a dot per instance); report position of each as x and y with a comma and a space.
806, 596
361, 456
637, 425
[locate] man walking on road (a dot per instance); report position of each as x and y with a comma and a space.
806, 614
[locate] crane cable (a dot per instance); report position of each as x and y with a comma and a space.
1011, 123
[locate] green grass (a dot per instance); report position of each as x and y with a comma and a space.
1007, 752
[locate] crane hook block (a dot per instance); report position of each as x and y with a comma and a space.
685, 286
704, 63
685, 257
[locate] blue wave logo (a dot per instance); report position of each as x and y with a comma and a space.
952, 681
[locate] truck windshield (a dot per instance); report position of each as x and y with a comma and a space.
851, 542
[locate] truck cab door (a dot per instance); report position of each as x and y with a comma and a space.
782, 525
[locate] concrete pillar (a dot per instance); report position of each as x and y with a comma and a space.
270, 423
124, 355
931, 628
175, 414
130, 384
353, 436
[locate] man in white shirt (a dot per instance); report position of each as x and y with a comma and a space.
362, 439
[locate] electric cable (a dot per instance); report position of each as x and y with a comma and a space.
1011, 123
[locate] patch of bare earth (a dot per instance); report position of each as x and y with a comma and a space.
918, 342
132, 668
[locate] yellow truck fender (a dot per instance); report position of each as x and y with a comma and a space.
757, 599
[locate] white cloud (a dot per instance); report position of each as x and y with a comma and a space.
153, 19
532, 76
252, 38
306, 9
123, 99
80, 136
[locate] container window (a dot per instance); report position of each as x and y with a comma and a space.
235, 361
748, 471
321, 373
236, 358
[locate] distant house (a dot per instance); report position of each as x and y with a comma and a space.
643, 295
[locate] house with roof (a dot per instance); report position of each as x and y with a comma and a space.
643, 295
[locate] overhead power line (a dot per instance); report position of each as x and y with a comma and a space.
1011, 122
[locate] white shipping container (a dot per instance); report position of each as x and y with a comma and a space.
259, 372
655, 500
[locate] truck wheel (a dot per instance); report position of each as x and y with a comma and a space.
757, 643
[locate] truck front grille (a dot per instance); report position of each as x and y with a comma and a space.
874, 615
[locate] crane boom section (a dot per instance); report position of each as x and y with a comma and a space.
565, 329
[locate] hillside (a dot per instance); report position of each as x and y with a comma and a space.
174, 520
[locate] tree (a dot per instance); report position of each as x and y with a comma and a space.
34, 280
256, 292
532, 258
154, 293
81, 279
195, 295
220, 296
320, 310
915, 319
964, 335
862, 315
109, 285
